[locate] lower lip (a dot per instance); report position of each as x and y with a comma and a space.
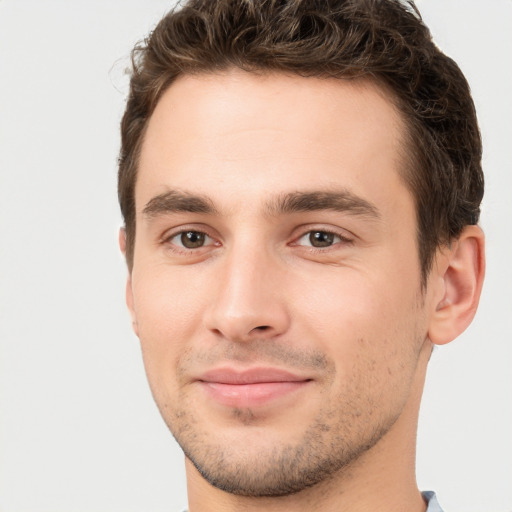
250, 395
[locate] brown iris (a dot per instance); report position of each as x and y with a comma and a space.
192, 239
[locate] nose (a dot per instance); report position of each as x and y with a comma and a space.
249, 302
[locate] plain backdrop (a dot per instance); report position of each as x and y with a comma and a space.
78, 428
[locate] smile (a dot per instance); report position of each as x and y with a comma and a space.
250, 388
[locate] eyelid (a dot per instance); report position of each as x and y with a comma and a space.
179, 244
346, 236
183, 228
171, 233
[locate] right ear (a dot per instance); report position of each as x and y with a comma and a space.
129, 290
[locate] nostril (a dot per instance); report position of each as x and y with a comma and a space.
262, 327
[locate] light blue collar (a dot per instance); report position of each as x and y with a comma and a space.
433, 504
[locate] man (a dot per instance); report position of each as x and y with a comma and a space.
300, 182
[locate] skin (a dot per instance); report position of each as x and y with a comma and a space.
349, 318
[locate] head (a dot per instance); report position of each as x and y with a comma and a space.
299, 182
382, 41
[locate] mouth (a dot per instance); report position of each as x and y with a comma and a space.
250, 388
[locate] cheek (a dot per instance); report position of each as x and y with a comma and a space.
166, 301
345, 303
362, 320
168, 313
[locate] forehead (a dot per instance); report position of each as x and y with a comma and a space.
272, 132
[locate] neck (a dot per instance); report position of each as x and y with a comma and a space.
383, 478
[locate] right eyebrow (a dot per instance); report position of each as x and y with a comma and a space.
175, 201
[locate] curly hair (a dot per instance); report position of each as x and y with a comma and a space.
382, 40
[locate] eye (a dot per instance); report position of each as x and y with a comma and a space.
320, 239
190, 239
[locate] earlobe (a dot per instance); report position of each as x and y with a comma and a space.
122, 240
460, 278
129, 291
130, 304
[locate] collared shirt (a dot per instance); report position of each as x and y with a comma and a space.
433, 504
430, 497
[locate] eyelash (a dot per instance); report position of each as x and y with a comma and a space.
343, 239
167, 240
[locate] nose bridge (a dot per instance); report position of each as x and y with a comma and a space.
248, 301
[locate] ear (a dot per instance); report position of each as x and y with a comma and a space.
129, 290
122, 240
459, 276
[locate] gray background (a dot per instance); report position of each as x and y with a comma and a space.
78, 428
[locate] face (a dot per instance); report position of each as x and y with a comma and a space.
276, 282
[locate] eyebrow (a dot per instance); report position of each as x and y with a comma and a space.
342, 201
175, 201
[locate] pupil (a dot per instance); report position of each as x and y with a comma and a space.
321, 239
192, 239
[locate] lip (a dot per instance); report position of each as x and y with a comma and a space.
251, 387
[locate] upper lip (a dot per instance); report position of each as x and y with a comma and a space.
257, 375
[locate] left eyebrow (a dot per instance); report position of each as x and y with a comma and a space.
340, 201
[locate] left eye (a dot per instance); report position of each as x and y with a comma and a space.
191, 239
319, 239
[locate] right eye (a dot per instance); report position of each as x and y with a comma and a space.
190, 239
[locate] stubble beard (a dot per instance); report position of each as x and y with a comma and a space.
324, 450
352, 422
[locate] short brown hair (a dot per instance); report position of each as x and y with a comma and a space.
383, 40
